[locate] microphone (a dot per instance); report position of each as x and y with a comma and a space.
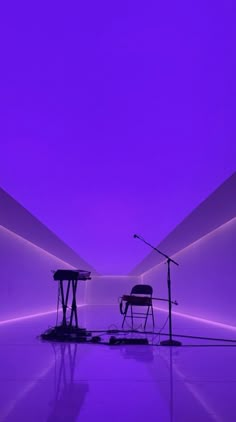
135, 235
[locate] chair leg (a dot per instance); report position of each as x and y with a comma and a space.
153, 323
147, 314
123, 321
125, 314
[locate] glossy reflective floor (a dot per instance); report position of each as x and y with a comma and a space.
42, 381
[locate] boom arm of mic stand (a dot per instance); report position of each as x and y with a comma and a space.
157, 250
165, 300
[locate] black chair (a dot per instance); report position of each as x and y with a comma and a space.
140, 297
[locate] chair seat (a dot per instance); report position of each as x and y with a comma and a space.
137, 300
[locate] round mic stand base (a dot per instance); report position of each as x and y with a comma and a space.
170, 343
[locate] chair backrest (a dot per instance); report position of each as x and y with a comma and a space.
142, 289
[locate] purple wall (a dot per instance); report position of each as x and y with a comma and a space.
27, 286
204, 283
204, 245
106, 290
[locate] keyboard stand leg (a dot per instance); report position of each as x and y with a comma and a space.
74, 306
64, 306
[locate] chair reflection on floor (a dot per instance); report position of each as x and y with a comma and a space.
140, 297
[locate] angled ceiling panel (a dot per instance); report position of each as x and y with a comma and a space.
17, 219
216, 210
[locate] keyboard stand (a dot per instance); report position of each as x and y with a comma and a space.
69, 330
71, 287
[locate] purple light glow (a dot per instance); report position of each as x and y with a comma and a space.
31, 229
7, 410
27, 286
175, 256
203, 378
213, 212
198, 319
38, 249
25, 317
12, 320
116, 119
195, 391
203, 284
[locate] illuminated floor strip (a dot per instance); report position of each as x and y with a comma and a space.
199, 319
179, 314
23, 318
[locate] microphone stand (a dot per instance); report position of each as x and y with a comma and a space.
170, 341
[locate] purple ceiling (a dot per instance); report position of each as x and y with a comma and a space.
116, 118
